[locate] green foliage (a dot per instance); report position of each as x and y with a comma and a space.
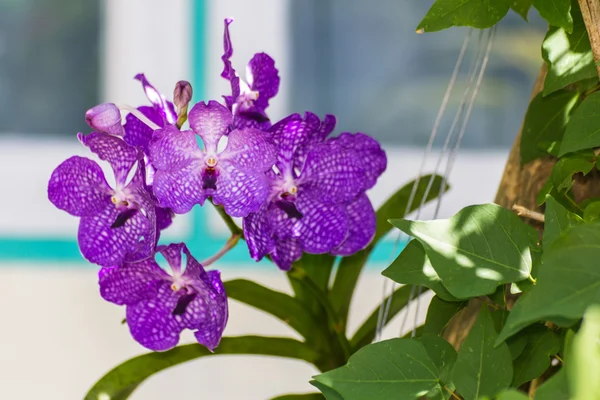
475, 13
583, 369
512, 394
556, 12
120, 382
570, 165
559, 220
568, 55
583, 130
535, 356
307, 396
482, 369
556, 388
545, 124
477, 249
521, 7
440, 313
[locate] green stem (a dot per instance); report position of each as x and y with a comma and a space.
335, 323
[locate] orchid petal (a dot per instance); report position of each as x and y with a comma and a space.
322, 226
113, 149
130, 283
286, 253
180, 189
263, 78
105, 117
250, 149
361, 226
166, 108
210, 121
240, 191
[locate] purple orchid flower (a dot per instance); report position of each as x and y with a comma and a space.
117, 223
234, 177
317, 202
249, 100
161, 305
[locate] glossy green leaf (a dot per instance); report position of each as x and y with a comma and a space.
328, 392
521, 7
440, 313
512, 394
556, 12
545, 124
283, 306
443, 356
568, 55
392, 369
306, 396
475, 13
366, 333
555, 388
583, 368
535, 358
583, 129
413, 267
350, 267
477, 249
573, 163
567, 283
558, 221
120, 382
482, 369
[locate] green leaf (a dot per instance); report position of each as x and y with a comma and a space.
568, 281
583, 369
306, 396
555, 388
350, 267
521, 7
413, 267
443, 356
328, 392
556, 12
318, 268
396, 368
545, 124
286, 308
569, 165
516, 345
583, 129
568, 55
535, 358
366, 333
558, 221
592, 212
477, 249
482, 369
512, 394
475, 13
121, 381
440, 313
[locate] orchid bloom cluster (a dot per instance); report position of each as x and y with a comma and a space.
297, 189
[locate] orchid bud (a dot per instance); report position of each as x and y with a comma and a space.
105, 117
182, 95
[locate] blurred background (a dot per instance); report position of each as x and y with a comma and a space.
359, 60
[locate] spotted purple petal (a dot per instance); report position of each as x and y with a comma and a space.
180, 189
166, 108
228, 71
331, 174
210, 121
361, 224
211, 328
113, 149
286, 253
130, 283
250, 148
137, 133
322, 226
171, 149
164, 218
105, 117
263, 78
292, 133
78, 186
106, 246
368, 151
258, 233
317, 136
240, 191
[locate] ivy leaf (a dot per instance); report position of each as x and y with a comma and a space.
475, 13
545, 124
482, 369
121, 381
556, 12
568, 55
521, 7
583, 129
567, 269
396, 368
569, 165
477, 249
413, 267
440, 313
558, 221
535, 358
555, 388
583, 369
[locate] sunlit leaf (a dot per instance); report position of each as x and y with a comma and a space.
583, 129
475, 13
567, 166
556, 12
521, 7
583, 368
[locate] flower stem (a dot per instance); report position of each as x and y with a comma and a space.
335, 323
230, 244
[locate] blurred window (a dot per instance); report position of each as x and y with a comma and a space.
48, 64
363, 62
